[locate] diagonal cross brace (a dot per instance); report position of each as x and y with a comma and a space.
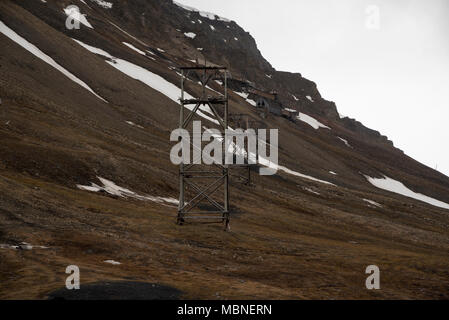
212, 201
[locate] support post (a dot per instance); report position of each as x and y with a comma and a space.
181, 166
226, 168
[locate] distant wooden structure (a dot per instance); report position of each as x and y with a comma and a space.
268, 95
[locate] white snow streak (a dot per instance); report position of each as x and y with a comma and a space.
311, 191
345, 142
297, 174
190, 35
104, 4
374, 203
113, 189
208, 15
129, 45
22, 246
245, 96
134, 125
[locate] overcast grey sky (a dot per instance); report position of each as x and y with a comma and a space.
392, 76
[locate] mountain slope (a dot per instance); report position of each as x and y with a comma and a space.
292, 236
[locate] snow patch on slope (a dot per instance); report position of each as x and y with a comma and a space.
93, 49
190, 35
311, 121
345, 142
245, 96
113, 189
395, 186
134, 125
8, 246
47, 59
301, 175
104, 4
129, 45
204, 14
311, 191
374, 203
21, 246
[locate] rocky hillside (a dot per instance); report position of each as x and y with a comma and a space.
86, 178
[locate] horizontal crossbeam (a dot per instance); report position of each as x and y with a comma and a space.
203, 101
205, 217
203, 68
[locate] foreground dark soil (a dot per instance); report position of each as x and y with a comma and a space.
117, 290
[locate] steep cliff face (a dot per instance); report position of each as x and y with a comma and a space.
206, 36
190, 34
